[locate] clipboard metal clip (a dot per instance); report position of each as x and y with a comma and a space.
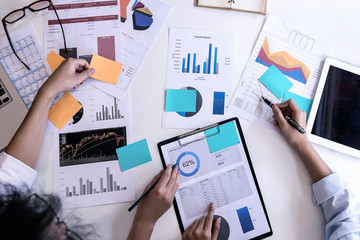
195, 139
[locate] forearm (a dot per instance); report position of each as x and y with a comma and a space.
314, 164
140, 231
26, 143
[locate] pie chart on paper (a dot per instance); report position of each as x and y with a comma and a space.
198, 104
142, 17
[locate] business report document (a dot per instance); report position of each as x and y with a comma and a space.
224, 177
86, 167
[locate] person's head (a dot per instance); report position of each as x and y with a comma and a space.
30, 216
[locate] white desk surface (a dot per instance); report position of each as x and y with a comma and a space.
284, 182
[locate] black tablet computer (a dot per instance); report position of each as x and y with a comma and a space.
215, 166
334, 117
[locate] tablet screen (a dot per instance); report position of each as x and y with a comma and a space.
224, 177
338, 115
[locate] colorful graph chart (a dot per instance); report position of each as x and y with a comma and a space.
287, 64
142, 16
90, 146
206, 64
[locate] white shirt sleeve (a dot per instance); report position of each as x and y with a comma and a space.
341, 207
15, 172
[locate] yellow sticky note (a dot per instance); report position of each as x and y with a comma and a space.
63, 110
106, 70
54, 60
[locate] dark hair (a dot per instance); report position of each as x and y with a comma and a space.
25, 217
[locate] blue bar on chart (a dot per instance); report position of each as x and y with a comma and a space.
207, 68
209, 59
219, 103
194, 63
245, 219
188, 64
216, 64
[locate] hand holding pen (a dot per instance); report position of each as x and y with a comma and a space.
288, 116
289, 109
159, 198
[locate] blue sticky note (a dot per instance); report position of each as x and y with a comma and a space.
133, 155
227, 137
180, 100
276, 82
303, 103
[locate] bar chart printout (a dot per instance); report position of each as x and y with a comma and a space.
202, 60
92, 184
107, 114
208, 67
87, 187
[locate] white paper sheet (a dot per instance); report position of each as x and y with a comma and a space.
280, 37
212, 49
135, 44
86, 169
90, 27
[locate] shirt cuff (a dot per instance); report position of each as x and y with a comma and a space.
15, 172
328, 187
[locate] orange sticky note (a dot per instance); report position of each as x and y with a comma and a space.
106, 70
54, 60
63, 110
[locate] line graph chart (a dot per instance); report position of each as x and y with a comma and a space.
90, 146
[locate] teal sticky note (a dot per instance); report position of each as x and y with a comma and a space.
303, 103
276, 82
227, 137
180, 100
133, 155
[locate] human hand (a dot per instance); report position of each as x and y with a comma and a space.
156, 203
202, 228
289, 108
68, 75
